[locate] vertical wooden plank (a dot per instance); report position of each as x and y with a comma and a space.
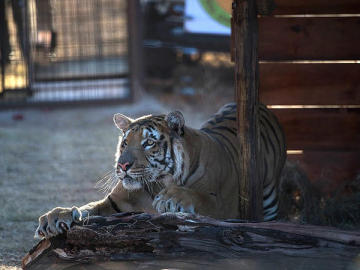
27, 51
232, 41
245, 31
4, 48
135, 47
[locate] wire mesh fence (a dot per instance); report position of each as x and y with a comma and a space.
59, 51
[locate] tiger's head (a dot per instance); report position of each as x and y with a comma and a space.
149, 149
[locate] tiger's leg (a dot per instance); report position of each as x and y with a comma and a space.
271, 200
182, 199
60, 219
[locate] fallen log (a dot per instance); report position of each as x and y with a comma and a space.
141, 237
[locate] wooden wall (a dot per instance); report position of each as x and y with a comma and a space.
309, 60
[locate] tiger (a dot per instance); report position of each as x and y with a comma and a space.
162, 165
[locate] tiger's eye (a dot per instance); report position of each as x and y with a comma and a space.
149, 142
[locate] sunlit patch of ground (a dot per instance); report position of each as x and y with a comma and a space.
8, 267
15, 76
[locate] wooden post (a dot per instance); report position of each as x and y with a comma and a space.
135, 47
244, 53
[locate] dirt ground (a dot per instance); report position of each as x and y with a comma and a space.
54, 157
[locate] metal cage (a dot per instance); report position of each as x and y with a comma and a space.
63, 51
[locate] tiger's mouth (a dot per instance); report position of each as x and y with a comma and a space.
130, 183
139, 182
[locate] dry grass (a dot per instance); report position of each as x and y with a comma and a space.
210, 85
300, 201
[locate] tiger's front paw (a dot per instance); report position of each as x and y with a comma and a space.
57, 221
174, 199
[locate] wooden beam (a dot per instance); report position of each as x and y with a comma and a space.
321, 129
245, 40
314, 38
135, 47
287, 7
309, 84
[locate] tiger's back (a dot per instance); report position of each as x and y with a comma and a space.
222, 127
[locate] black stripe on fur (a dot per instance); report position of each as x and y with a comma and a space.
114, 205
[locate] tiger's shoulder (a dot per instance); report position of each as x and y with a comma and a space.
224, 119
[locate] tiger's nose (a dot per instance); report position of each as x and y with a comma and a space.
125, 166
126, 160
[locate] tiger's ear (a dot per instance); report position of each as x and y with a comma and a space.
122, 121
175, 121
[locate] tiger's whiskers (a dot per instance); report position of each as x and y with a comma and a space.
107, 182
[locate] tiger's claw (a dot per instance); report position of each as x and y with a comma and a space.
173, 200
57, 221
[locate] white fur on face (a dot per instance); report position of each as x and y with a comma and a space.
131, 184
178, 150
126, 133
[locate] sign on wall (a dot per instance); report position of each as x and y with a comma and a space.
208, 16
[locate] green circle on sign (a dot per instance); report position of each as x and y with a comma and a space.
216, 12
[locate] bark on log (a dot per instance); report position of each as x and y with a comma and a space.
140, 236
